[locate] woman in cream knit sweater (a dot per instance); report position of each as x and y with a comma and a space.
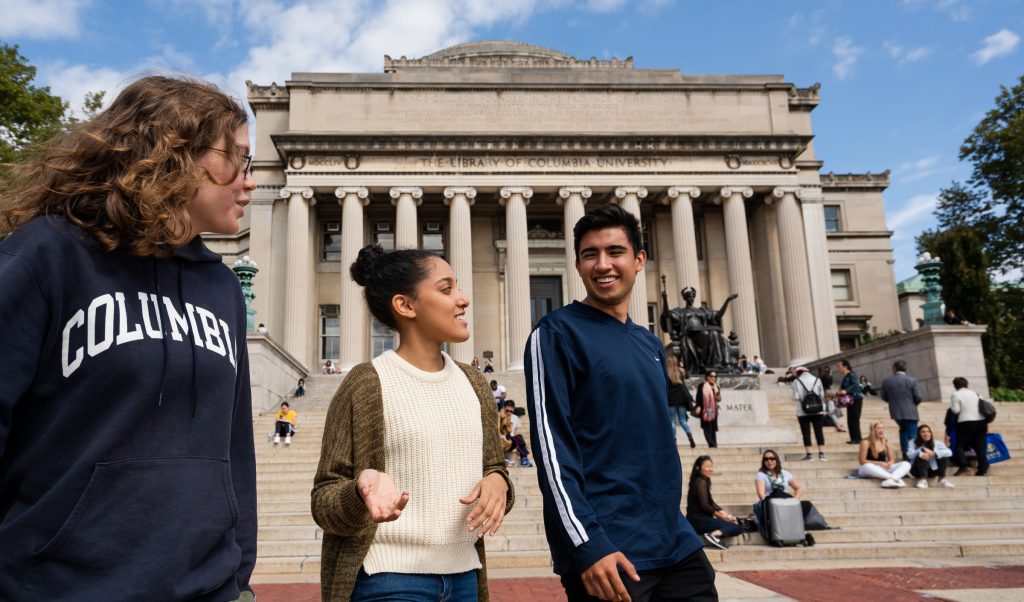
411, 473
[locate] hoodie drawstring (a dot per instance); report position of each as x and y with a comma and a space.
191, 345
163, 330
164, 319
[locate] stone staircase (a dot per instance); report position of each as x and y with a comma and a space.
980, 521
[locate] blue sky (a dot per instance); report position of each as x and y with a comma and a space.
903, 81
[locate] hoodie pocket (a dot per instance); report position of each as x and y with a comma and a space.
141, 527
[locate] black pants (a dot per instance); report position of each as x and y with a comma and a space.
972, 435
520, 444
283, 428
710, 432
691, 579
853, 420
805, 429
922, 470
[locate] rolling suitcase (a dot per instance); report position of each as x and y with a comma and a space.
785, 522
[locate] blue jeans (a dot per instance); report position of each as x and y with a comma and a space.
405, 587
908, 432
680, 414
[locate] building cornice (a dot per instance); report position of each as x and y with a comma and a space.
855, 181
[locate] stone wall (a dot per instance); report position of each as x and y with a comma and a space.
934, 355
273, 372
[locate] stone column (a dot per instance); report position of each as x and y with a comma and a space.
629, 198
460, 240
517, 272
353, 318
741, 274
572, 199
298, 288
261, 229
796, 284
406, 199
684, 239
820, 274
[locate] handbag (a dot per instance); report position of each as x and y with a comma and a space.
987, 410
844, 400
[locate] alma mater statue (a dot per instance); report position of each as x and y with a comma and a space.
697, 336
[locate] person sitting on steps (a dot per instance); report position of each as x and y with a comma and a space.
285, 422
707, 517
510, 433
930, 458
875, 457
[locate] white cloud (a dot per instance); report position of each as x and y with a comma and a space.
605, 6
904, 55
72, 82
357, 38
957, 12
846, 57
1001, 43
41, 19
911, 211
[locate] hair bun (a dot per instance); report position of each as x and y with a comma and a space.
363, 266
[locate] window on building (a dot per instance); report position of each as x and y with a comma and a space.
384, 235
330, 332
832, 218
433, 237
842, 285
652, 318
382, 338
698, 228
646, 230
331, 241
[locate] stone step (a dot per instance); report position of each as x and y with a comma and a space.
896, 551
916, 533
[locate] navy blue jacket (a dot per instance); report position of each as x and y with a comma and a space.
604, 442
127, 469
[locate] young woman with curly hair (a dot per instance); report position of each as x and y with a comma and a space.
126, 449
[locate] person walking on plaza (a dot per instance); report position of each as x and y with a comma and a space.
395, 492
706, 406
903, 395
680, 401
607, 463
805, 386
849, 385
971, 428
127, 467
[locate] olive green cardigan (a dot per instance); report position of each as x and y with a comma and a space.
354, 441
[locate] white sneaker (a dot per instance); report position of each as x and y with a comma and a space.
946, 484
277, 439
900, 483
288, 440
889, 484
922, 484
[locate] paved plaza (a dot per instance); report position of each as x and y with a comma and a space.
902, 584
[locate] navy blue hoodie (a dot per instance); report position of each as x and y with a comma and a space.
604, 442
127, 469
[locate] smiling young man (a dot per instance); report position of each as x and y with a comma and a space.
603, 441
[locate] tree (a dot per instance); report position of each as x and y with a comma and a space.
965, 280
29, 114
995, 202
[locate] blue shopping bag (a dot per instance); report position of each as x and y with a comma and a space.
995, 449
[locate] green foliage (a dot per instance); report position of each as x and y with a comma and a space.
874, 336
28, 113
995, 205
1005, 394
966, 285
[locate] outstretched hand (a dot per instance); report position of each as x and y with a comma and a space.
381, 496
491, 491
602, 580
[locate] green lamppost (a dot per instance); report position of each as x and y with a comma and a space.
928, 267
246, 268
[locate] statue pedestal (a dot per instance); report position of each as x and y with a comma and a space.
742, 415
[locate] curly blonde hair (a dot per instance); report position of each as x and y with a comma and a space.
126, 176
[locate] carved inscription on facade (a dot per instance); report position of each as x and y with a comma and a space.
501, 163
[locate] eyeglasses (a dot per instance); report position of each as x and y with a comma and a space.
770, 459
247, 170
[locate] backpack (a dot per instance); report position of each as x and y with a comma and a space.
811, 402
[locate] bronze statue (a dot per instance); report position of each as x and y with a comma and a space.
697, 336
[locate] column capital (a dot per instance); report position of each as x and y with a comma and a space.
780, 191
810, 195
730, 191
289, 191
583, 192
675, 192
360, 191
414, 191
623, 191
452, 191
523, 191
